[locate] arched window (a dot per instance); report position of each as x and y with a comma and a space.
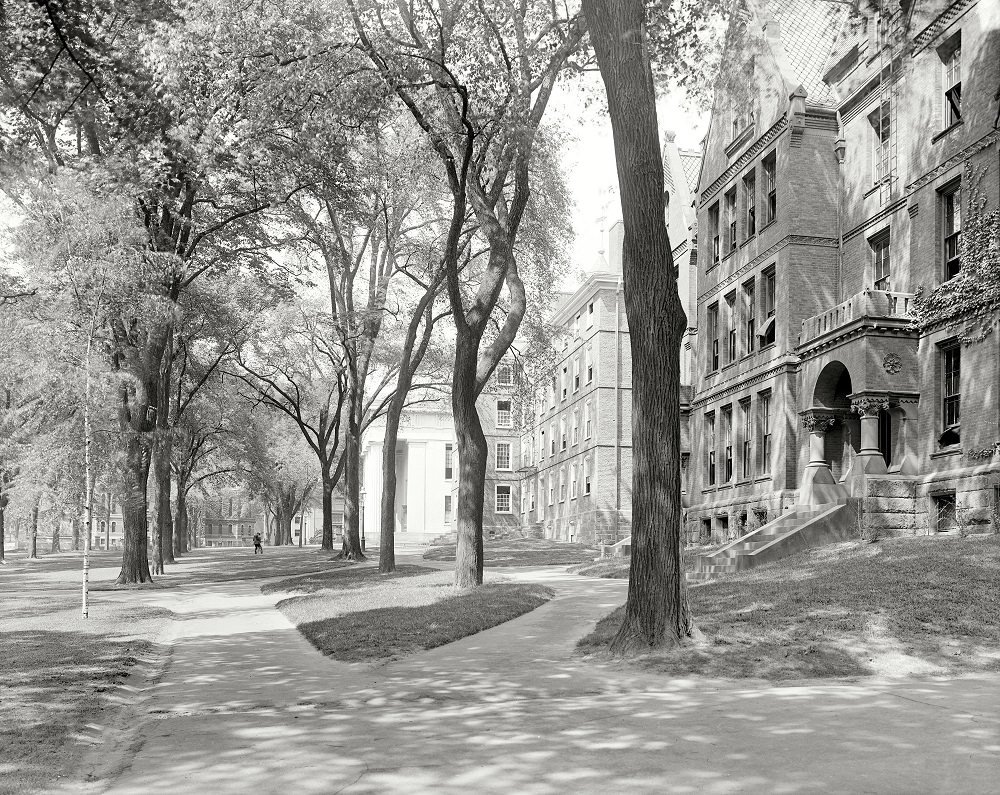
576, 426
588, 420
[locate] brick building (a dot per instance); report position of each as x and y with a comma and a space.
833, 189
577, 465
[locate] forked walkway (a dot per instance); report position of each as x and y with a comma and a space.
248, 706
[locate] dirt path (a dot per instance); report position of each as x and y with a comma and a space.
247, 705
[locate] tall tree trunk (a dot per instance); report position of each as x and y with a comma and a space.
56, 546
387, 510
351, 547
180, 521
472, 451
135, 559
411, 357
3, 528
75, 533
33, 553
161, 483
328, 484
108, 504
656, 613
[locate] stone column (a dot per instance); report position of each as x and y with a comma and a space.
818, 484
870, 457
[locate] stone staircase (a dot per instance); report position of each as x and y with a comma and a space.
800, 528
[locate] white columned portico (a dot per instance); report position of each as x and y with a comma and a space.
416, 486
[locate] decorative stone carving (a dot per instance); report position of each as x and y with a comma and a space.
892, 363
869, 406
814, 421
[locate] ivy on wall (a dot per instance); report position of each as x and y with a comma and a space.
969, 302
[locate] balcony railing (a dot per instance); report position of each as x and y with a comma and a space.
871, 304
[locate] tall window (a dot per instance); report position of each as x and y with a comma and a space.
504, 418
552, 392
588, 361
562, 484
767, 306
952, 201
881, 163
532, 495
449, 458
731, 323
952, 356
576, 373
503, 455
588, 419
769, 166
713, 231
727, 430
750, 314
710, 443
576, 426
590, 314
764, 406
505, 375
502, 498
880, 262
713, 337
746, 421
552, 490
953, 86
730, 199
552, 443
565, 381
562, 433
572, 482
750, 203
586, 476
541, 447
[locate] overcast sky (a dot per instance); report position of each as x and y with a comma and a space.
590, 160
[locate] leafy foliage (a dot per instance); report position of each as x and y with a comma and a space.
969, 302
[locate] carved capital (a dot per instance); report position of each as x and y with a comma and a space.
869, 406
818, 422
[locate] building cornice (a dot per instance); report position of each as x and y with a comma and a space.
876, 219
862, 327
789, 240
787, 366
743, 161
592, 284
989, 139
943, 20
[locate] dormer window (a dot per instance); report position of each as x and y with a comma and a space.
505, 375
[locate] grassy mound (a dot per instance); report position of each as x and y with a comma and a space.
396, 631
904, 606
405, 614
523, 552
343, 577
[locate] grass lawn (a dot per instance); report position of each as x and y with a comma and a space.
523, 552
344, 575
57, 674
922, 605
370, 616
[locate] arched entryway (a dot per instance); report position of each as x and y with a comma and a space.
831, 399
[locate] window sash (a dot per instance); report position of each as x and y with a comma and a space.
952, 386
503, 499
880, 249
503, 455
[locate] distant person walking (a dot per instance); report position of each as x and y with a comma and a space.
257, 545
